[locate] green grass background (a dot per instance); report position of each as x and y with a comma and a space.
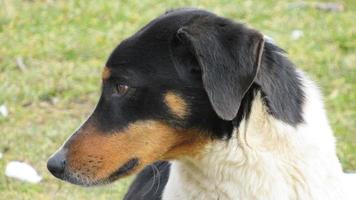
65, 44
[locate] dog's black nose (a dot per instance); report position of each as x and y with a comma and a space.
56, 164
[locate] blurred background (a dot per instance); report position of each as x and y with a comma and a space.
52, 53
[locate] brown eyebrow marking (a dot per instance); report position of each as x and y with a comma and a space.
176, 104
106, 73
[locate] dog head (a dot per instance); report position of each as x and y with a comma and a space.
167, 91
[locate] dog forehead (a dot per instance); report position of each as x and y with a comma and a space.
148, 51
155, 35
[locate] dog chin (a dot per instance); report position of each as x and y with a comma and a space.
79, 179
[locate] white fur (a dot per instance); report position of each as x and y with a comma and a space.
267, 159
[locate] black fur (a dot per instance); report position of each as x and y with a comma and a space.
149, 184
281, 86
211, 61
147, 63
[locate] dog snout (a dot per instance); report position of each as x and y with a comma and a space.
57, 164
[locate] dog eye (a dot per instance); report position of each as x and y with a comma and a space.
121, 89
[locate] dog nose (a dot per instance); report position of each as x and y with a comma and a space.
56, 164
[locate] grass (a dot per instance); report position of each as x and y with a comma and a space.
64, 45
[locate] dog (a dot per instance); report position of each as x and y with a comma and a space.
206, 108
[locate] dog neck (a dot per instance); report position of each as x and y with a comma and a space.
264, 159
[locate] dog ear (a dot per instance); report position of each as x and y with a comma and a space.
229, 55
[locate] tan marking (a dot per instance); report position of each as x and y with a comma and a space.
176, 104
106, 73
97, 155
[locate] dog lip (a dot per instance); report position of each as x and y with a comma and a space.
124, 169
82, 181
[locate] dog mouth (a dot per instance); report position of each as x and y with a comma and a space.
78, 178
